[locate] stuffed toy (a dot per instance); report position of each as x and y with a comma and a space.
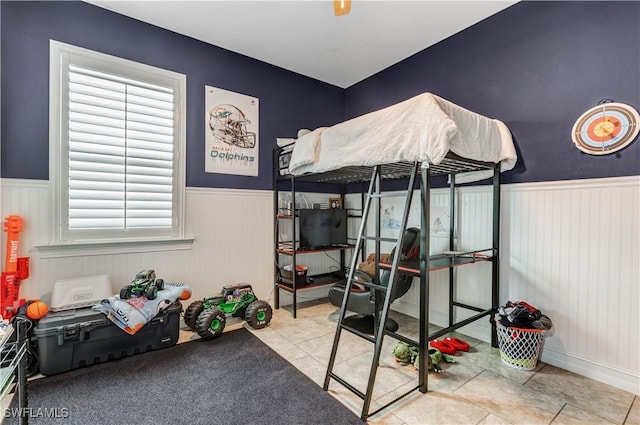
369, 266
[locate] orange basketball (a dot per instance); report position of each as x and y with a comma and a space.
37, 310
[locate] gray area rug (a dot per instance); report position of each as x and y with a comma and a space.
234, 379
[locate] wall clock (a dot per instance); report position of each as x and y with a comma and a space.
606, 128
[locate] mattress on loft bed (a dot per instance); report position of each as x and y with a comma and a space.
424, 128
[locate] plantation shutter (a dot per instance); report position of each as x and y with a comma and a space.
121, 152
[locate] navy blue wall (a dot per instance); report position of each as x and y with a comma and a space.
537, 66
26, 27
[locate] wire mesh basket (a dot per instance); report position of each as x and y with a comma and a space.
519, 348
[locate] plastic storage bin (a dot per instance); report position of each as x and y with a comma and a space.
76, 338
301, 276
519, 348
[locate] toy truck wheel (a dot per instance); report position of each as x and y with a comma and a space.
192, 312
151, 293
210, 323
124, 293
160, 284
258, 314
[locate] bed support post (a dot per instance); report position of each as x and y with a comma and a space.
276, 225
452, 245
495, 264
293, 247
423, 338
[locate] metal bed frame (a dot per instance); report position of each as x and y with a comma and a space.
451, 165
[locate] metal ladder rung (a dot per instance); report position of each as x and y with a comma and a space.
348, 385
375, 238
386, 195
358, 333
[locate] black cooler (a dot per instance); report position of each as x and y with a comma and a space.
76, 338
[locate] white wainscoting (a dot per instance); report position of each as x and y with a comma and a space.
233, 232
570, 248
573, 249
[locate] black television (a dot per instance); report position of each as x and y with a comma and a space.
322, 228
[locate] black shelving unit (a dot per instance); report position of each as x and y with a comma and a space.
291, 248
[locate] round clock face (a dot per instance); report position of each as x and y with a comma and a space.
606, 128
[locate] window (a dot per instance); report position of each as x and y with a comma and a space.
117, 134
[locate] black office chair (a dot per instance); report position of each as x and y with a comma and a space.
363, 302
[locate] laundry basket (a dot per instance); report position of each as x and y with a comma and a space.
519, 348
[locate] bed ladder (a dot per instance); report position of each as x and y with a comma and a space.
382, 311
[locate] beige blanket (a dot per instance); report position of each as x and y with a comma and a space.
424, 128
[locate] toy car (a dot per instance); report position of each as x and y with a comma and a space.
209, 316
145, 283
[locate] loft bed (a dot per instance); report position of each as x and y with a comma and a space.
425, 133
426, 129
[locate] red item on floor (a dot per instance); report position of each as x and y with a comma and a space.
458, 344
443, 346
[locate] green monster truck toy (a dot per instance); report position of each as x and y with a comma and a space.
209, 316
145, 283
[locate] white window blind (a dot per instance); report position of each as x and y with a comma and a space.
118, 174
120, 152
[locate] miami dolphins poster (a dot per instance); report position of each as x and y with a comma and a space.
231, 132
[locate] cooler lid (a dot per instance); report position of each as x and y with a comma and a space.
61, 319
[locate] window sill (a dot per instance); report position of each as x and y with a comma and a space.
85, 249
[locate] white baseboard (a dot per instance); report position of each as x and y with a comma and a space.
609, 375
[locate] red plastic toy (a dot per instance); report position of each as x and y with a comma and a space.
15, 269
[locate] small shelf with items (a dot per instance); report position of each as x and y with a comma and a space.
310, 282
304, 278
13, 352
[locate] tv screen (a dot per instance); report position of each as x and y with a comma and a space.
322, 228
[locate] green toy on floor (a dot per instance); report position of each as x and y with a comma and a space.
408, 354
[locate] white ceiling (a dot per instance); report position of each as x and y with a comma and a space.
306, 37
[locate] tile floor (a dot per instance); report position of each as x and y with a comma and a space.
477, 389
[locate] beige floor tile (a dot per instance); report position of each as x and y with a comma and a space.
485, 356
571, 415
592, 396
355, 404
509, 400
477, 389
282, 315
385, 418
302, 329
278, 343
437, 408
324, 311
312, 368
406, 391
350, 346
633, 418
389, 376
492, 419
349, 399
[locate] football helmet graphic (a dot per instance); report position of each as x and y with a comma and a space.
229, 125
